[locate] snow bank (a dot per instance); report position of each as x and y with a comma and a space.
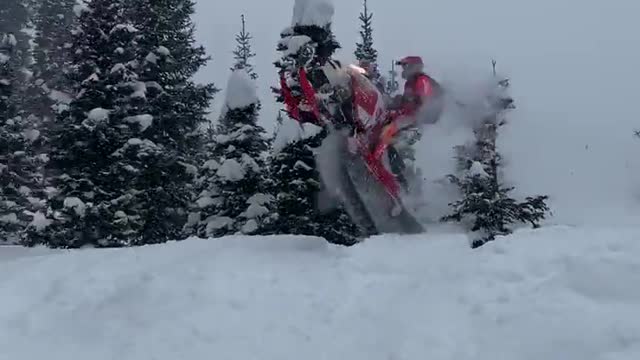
559, 293
241, 90
312, 12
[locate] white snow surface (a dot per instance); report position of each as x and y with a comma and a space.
291, 131
294, 43
231, 170
241, 90
555, 293
312, 12
98, 114
144, 121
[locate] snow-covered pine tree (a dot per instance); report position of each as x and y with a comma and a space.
309, 43
19, 164
91, 130
297, 185
126, 144
365, 52
233, 181
243, 54
174, 110
364, 49
486, 202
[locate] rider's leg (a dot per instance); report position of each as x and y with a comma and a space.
397, 165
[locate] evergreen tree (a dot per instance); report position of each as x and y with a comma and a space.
19, 177
365, 52
233, 181
178, 107
364, 49
486, 201
310, 47
243, 54
297, 184
126, 144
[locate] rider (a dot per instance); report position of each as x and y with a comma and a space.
421, 103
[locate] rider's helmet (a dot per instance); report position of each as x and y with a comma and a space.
411, 65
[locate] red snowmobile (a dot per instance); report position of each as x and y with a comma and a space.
353, 160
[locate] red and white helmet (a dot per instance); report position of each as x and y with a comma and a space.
411, 65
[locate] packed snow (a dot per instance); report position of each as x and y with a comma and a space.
241, 90
98, 114
291, 131
144, 121
76, 204
293, 44
312, 12
231, 170
556, 293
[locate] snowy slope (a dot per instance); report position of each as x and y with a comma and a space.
560, 293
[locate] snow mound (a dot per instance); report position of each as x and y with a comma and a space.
557, 293
313, 12
241, 90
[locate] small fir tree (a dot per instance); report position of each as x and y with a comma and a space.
243, 54
486, 202
365, 52
233, 181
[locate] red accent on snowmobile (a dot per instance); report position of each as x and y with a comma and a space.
291, 104
309, 94
372, 146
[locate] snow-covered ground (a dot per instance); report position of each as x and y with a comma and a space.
558, 293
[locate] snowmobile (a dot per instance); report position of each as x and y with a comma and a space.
353, 160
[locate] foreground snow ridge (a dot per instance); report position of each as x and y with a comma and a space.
557, 293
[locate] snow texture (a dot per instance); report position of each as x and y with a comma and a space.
163, 51
241, 90
76, 204
312, 12
477, 169
292, 131
144, 121
231, 170
40, 221
294, 43
98, 114
10, 218
556, 293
